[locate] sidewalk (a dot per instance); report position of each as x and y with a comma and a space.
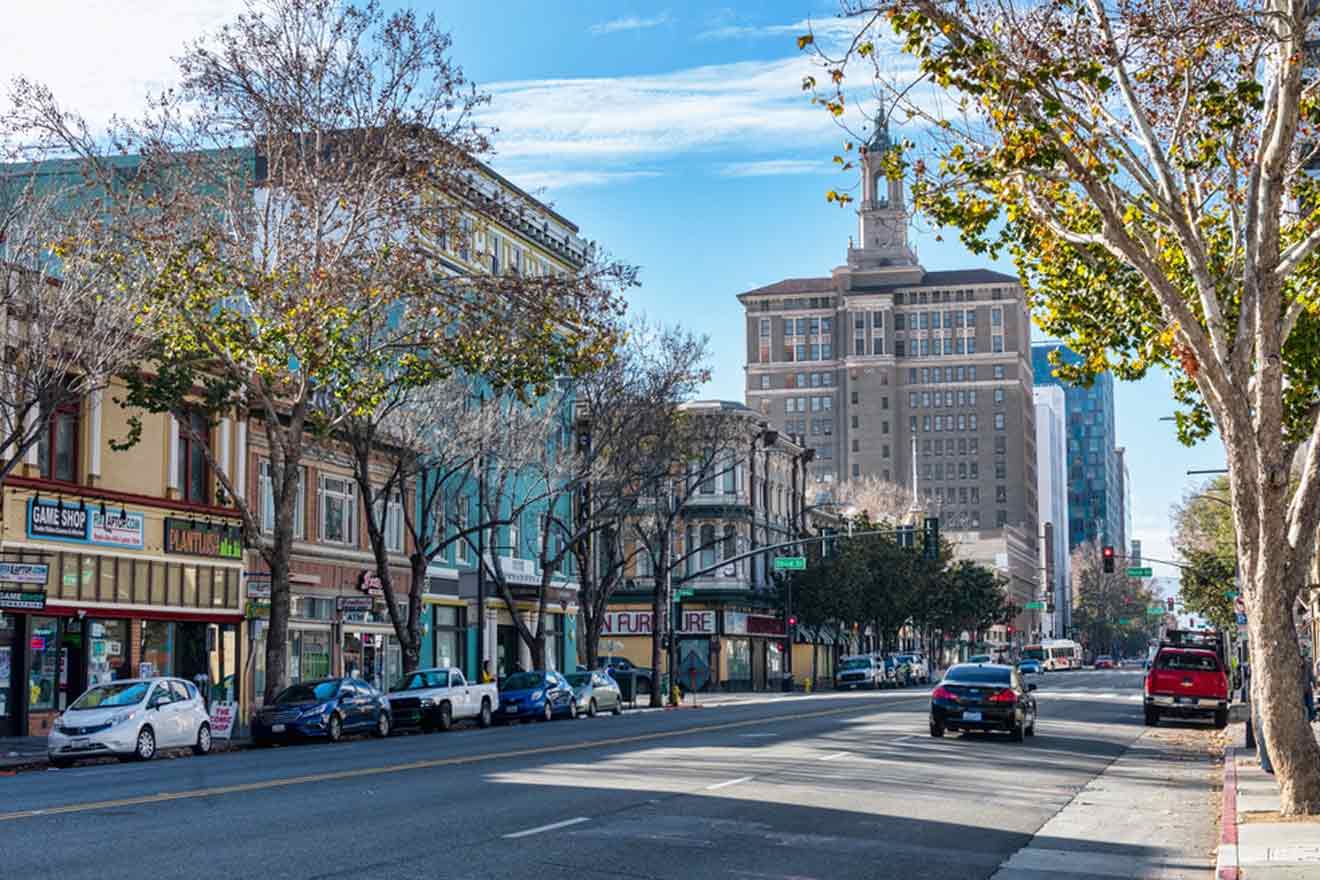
21, 751
1255, 842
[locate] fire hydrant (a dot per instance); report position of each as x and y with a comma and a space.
806, 685
675, 695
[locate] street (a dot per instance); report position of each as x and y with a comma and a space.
830, 786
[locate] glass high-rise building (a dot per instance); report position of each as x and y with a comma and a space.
1095, 480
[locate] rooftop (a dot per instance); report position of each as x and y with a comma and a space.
944, 278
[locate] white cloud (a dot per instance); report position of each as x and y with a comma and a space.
773, 167
629, 23
551, 179
825, 29
105, 57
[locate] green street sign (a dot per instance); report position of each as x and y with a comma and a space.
790, 563
1155, 610
1035, 606
684, 594
1232, 594
1123, 621
1140, 573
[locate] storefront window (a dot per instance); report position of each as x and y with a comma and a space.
310, 658
43, 663
740, 659
8, 633
157, 648
774, 658
107, 658
448, 641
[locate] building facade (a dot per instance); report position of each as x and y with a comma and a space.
920, 378
1124, 500
1052, 485
117, 564
1095, 494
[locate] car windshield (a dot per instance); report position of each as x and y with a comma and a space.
523, 681
1189, 662
856, 663
309, 692
978, 675
907, 658
979, 658
413, 682
578, 679
1034, 653
119, 693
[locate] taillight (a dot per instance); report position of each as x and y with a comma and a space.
942, 693
1149, 681
1005, 695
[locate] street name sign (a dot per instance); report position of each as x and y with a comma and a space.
790, 563
1035, 606
1140, 572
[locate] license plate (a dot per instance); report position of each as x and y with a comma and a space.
1186, 701
277, 728
80, 743
971, 716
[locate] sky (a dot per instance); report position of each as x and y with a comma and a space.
676, 136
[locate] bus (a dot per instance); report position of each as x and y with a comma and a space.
1055, 654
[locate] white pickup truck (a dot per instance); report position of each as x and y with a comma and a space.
433, 699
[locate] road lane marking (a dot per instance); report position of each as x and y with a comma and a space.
758, 735
728, 782
430, 763
554, 826
834, 757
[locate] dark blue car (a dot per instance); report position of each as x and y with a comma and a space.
328, 709
540, 695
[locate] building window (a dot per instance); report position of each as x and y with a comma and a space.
392, 523
999, 371
57, 447
884, 427
971, 345
266, 488
900, 348
925, 423
707, 546
996, 317
856, 470
884, 451
1001, 518
765, 328
912, 424
997, 344
194, 482
913, 400
854, 421
338, 510
730, 541
999, 421
971, 422
971, 397
999, 395
1001, 494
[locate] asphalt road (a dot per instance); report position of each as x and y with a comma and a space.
832, 786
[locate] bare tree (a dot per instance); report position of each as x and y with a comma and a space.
70, 305
316, 163
875, 499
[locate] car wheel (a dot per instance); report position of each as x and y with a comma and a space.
936, 731
484, 720
383, 724
145, 749
446, 716
335, 728
1015, 733
1221, 718
572, 709
548, 712
61, 763
203, 746
591, 708
618, 708
1152, 718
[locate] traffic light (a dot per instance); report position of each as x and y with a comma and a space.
930, 538
1107, 554
906, 536
792, 625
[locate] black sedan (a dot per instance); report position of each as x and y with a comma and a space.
328, 708
983, 696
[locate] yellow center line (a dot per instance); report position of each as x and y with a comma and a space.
336, 775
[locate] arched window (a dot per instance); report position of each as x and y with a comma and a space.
688, 547
707, 545
880, 189
730, 542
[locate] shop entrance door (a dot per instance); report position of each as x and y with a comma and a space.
758, 665
506, 646
73, 662
10, 636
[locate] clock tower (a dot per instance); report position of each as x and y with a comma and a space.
882, 217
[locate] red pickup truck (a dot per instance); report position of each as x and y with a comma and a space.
1186, 683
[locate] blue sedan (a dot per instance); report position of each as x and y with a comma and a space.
1030, 666
327, 708
540, 695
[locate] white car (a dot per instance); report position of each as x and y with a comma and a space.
920, 668
433, 699
131, 718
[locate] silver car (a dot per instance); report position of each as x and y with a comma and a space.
135, 717
595, 692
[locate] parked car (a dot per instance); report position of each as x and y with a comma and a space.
979, 658
595, 692
1104, 661
862, 670
983, 696
540, 695
328, 707
918, 666
897, 673
131, 718
1186, 683
1030, 666
622, 666
433, 699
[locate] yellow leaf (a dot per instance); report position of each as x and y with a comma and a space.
805, 40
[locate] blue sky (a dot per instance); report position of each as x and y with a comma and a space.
676, 135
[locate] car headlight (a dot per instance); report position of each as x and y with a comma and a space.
427, 702
322, 709
536, 695
122, 717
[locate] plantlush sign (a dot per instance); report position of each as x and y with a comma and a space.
203, 539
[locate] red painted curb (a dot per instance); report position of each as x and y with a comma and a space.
1228, 830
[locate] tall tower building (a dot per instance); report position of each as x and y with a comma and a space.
911, 376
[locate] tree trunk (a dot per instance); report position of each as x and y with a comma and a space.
658, 599
277, 632
412, 652
538, 651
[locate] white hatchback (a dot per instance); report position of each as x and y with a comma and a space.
131, 718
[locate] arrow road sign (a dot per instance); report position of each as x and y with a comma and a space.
791, 563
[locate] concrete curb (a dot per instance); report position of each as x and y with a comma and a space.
1226, 866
